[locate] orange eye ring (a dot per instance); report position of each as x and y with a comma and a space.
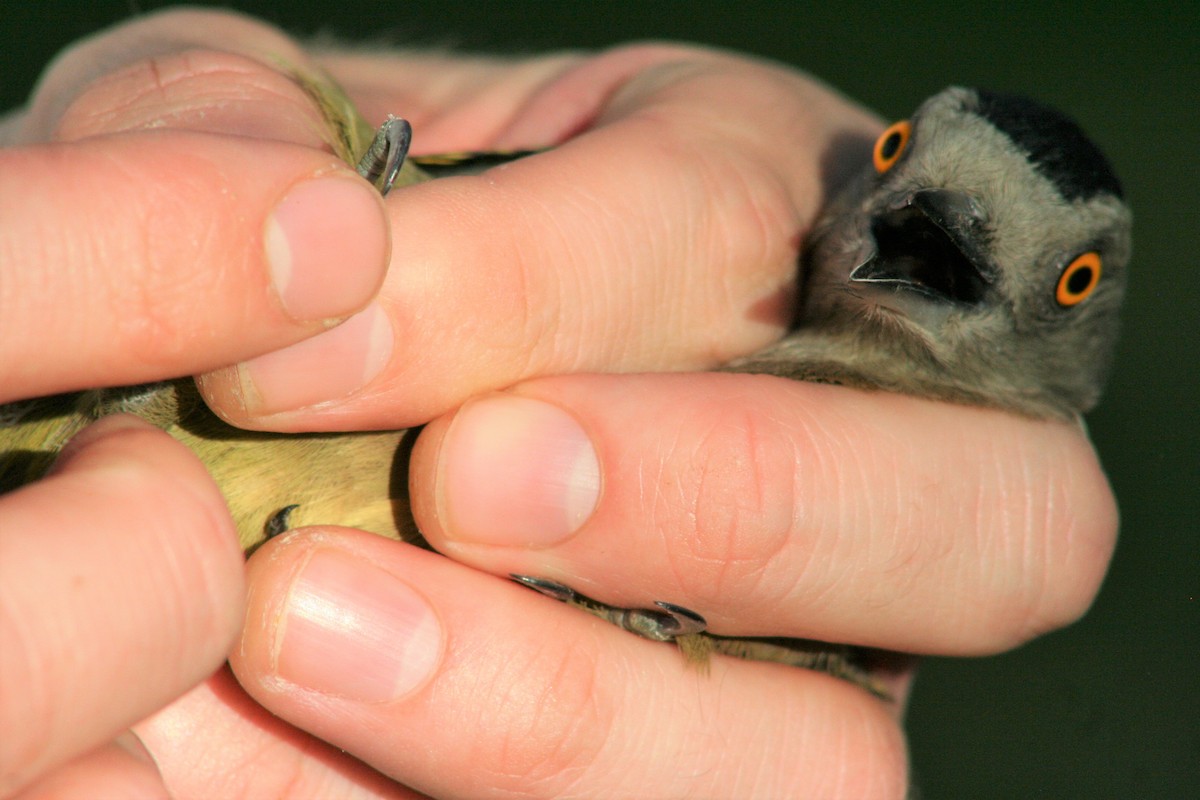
1078, 280
891, 144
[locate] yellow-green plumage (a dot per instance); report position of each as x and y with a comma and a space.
353, 479
348, 133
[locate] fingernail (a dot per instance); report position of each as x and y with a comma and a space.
515, 471
352, 630
345, 358
327, 247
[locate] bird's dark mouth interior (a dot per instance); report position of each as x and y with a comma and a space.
914, 253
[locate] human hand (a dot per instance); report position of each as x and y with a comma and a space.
129, 255
692, 486
773, 508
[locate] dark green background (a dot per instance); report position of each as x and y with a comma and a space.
1108, 708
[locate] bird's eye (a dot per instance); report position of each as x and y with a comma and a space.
891, 144
1078, 280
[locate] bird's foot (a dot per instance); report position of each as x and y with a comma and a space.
381, 163
664, 623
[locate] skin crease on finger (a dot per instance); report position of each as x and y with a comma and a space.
154, 36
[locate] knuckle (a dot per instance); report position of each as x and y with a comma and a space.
751, 238
741, 499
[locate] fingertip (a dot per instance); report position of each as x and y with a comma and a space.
196, 68
120, 460
509, 471
103, 428
124, 558
132, 453
327, 244
1077, 535
189, 281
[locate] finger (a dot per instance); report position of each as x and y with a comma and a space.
178, 253
455, 101
774, 507
119, 769
137, 69
673, 245
160, 254
461, 684
215, 741
120, 587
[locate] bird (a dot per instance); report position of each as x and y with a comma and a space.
979, 258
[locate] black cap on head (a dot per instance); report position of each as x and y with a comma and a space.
1056, 146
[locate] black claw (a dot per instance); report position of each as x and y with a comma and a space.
277, 523
662, 624
684, 620
383, 159
549, 588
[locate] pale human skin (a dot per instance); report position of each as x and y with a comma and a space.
134, 247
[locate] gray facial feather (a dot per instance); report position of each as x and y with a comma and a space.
1015, 347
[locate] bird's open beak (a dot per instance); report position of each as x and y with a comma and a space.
933, 245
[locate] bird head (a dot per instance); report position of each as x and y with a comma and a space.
986, 247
